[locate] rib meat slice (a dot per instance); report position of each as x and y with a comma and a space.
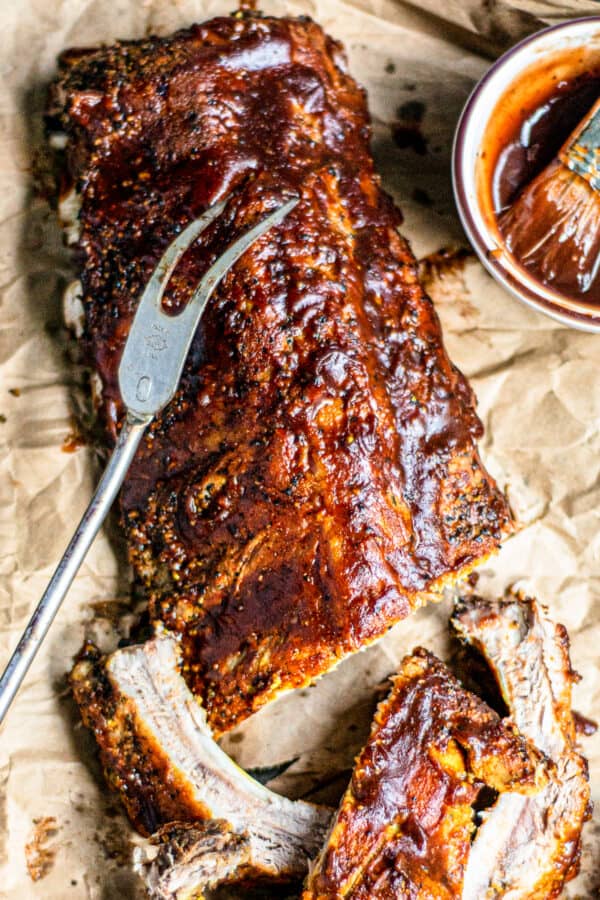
528, 847
405, 824
316, 476
194, 859
158, 753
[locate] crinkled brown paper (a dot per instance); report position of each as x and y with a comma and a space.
538, 386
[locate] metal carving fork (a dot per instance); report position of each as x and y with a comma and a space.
149, 372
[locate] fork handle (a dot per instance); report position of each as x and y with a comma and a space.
104, 495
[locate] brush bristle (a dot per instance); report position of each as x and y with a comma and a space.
553, 229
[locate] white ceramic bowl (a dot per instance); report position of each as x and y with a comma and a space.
564, 50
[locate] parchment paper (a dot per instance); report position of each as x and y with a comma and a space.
539, 396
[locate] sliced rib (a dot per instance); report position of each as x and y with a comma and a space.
195, 858
527, 847
405, 824
158, 753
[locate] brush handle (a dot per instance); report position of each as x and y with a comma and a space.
581, 153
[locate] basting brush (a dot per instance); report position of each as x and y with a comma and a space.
553, 227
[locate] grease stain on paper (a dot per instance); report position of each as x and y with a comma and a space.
406, 129
442, 275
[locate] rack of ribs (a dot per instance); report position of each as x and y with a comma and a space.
316, 477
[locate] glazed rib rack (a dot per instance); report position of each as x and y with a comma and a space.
316, 477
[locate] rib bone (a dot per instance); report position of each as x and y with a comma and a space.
157, 750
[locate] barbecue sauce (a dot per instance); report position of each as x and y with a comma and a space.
536, 138
531, 124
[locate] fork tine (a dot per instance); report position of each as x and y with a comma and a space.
157, 345
227, 260
155, 289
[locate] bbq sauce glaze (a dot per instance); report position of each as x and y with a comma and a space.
534, 120
317, 466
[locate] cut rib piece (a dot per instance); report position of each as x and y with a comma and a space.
405, 824
194, 858
528, 847
316, 477
158, 753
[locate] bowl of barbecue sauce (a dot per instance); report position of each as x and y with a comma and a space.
512, 127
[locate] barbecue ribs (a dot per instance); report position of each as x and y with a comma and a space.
446, 801
528, 847
214, 821
316, 476
405, 825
